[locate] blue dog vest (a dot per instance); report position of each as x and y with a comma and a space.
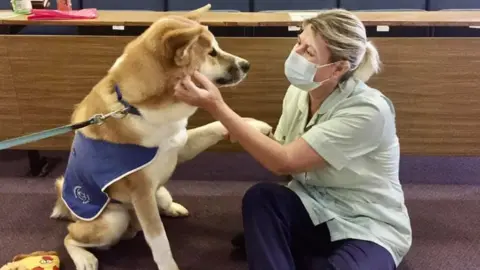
93, 165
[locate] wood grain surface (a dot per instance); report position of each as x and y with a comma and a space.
145, 18
10, 119
433, 83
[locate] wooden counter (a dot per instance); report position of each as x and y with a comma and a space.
433, 82
145, 18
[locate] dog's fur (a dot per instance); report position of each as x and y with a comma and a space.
146, 73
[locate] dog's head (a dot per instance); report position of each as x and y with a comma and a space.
171, 48
183, 45
223, 68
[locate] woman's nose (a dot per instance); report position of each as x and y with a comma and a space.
300, 49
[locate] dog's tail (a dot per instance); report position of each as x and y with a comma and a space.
60, 210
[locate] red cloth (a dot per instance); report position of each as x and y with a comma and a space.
49, 14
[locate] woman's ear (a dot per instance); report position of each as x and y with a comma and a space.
341, 68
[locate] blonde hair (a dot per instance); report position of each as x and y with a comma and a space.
346, 39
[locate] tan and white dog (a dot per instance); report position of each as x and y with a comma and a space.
114, 183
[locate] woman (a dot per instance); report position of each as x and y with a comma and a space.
336, 137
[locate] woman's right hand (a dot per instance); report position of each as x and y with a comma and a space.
206, 96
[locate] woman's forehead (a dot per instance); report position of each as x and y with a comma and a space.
309, 37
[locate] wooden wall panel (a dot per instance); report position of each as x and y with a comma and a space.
10, 121
52, 74
433, 83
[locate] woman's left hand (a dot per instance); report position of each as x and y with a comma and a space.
207, 96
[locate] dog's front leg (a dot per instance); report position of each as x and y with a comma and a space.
201, 138
146, 209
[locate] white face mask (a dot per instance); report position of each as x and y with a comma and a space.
301, 72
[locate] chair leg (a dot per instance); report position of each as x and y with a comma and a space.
40, 166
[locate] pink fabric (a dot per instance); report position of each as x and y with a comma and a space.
49, 14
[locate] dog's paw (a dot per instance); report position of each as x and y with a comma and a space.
176, 210
217, 128
261, 126
85, 261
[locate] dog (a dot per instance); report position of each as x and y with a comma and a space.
114, 184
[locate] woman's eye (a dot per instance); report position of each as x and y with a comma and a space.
213, 53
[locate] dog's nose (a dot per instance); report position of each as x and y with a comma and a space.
245, 66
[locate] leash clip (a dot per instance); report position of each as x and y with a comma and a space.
99, 119
119, 114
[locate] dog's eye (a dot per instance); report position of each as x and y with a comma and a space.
213, 53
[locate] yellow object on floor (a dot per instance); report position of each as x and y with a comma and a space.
39, 260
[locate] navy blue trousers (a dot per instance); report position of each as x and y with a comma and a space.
279, 235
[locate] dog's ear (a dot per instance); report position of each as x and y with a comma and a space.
180, 42
195, 14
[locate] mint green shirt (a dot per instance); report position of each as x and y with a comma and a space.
358, 194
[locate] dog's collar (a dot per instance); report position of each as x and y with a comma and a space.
130, 109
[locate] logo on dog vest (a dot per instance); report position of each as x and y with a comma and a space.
79, 194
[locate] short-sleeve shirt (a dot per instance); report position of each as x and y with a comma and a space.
358, 194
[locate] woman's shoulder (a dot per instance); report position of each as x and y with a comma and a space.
365, 95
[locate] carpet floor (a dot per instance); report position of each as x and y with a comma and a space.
445, 220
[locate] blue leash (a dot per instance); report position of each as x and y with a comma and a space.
96, 119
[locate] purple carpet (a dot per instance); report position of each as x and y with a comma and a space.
442, 196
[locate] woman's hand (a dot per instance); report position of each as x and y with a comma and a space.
207, 96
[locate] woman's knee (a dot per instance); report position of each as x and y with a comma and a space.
261, 195
358, 254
